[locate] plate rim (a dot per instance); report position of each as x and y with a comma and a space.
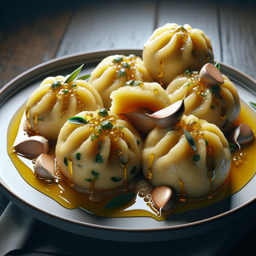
108, 52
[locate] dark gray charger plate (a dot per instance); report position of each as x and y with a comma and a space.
141, 229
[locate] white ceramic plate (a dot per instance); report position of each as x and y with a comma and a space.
186, 224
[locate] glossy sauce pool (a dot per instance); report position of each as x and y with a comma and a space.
69, 198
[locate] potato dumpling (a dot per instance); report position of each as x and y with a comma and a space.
114, 71
49, 107
217, 104
138, 94
168, 159
172, 49
103, 154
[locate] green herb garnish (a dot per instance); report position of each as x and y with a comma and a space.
206, 142
253, 104
95, 174
79, 165
78, 156
232, 147
99, 147
106, 125
188, 72
125, 65
56, 84
215, 90
225, 124
98, 158
65, 91
217, 65
73, 75
196, 157
65, 161
138, 142
182, 28
118, 59
115, 179
212, 107
133, 83
187, 84
120, 127
121, 73
103, 112
203, 95
73, 85
119, 200
77, 120
133, 170
83, 77
190, 140
89, 180
40, 119
94, 137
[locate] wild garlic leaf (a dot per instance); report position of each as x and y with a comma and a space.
73, 75
77, 120
190, 140
119, 200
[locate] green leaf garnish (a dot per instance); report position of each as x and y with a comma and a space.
206, 142
125, 65
187, 84
118, 59
77, 120
253, 104
40, 119
225, 124
73, 85
106, 125
196, 157
103, 112
73, 75
217, 65
65, 161
121, 73
138, 142
133, 170
212, 107
119, 200
232, 147
65, 91
188, 72
115, 179
78, 156
98, 158
79, 165
94, 137
89, 180
190, 140
83, 77
56, 84
120, 127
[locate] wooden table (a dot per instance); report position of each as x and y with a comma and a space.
32, 32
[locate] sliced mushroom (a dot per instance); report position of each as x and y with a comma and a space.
211, 75
242, 135
164, 198
32, 146
45, 168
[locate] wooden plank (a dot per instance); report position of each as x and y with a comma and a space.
30, 37
108, 25
238, 37
198, 14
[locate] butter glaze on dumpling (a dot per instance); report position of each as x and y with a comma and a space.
174, 160
172, 49
52, 104
94, 153
217, 104
114, 71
